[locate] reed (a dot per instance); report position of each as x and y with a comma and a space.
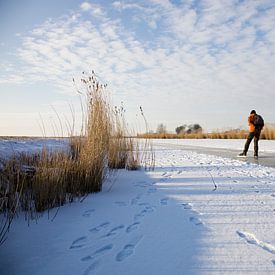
37, 182
268, 132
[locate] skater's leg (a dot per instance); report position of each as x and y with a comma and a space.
248, 140
256, 141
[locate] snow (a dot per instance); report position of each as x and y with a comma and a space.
168, 221
9, 147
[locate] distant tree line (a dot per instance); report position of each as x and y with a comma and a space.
189, 129
183, 129
196, 131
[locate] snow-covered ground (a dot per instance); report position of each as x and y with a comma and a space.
9, 147
168, 221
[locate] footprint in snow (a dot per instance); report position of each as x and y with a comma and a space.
186, 206
99, 227
98, 252
152, 190
148, 209
141, 184
166, 174
143, 204
273, 261
135, 199
164, 201
132, 227
79, 242
92, 267
114, 231
272, 195
195, 221
251, 239
128, 249
88, 213
121, 203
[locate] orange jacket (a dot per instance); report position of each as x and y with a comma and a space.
250, 123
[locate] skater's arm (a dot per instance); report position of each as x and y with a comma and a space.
251, 123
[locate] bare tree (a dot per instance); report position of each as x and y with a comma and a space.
180, 129
161, 129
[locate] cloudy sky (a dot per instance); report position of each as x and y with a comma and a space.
191, 61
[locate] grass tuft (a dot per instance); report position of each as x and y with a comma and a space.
37, 182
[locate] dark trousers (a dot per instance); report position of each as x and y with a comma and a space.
256, 135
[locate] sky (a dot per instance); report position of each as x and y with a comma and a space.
187, 61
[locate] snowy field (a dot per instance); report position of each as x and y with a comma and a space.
9, 147
169, 221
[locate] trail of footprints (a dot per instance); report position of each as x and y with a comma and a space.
193, 219
186, 206
105, 232
93, 258
252, 239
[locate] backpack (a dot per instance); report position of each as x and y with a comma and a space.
258, 122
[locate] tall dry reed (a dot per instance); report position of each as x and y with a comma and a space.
268, 132
37, 182
124, 151
47, 179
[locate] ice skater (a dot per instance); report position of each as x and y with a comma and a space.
256, 124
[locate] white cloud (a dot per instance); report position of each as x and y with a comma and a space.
198, 56
95, 10
85, 6
120, 5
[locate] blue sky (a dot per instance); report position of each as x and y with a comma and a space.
208, 62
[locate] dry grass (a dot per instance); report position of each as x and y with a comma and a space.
49, 179
125, 151
37, 182
170, 135
229, 134
118, 145
267, 133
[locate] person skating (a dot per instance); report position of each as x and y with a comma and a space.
256, 124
